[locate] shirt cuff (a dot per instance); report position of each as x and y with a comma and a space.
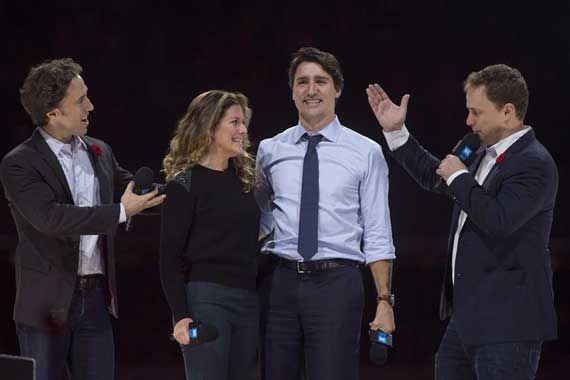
370, 258
397, 138
455, 175
123, 215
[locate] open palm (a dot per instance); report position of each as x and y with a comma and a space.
390, 116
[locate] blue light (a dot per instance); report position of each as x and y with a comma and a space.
465, 153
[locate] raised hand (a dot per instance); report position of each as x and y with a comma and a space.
390, 116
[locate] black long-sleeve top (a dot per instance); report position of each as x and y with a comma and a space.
209, 233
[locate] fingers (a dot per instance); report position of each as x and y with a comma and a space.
152, 199
151, 194
375, 94
180, 332
157, 200
384, 319
130, 186
374, 325
381, 93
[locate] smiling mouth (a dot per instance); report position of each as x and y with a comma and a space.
312, 101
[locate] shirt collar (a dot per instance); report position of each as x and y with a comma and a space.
330, 132
56, 146
500, 147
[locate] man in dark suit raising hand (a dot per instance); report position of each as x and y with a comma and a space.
498, 285
61, 186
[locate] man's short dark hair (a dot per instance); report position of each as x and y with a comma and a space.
503, 84
327, 61
45, 87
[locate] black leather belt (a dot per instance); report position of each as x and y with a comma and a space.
316, 265
91, 281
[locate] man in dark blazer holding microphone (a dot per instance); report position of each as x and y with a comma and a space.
63, 189
497, 289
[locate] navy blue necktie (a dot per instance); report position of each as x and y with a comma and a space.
308, 217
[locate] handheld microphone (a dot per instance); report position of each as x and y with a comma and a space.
199, 333
380, 341
465, 149
144, 178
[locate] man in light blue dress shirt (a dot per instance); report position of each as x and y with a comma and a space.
315, 302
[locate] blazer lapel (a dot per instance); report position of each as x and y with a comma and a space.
520, 144
475, 165
47, 154
95, 158
492, 173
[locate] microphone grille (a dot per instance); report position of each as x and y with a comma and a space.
144, 177
472, 140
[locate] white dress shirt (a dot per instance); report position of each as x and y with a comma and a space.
84, 186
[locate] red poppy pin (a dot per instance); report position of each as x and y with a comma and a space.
96, 149
500, 158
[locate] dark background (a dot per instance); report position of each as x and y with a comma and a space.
145, 61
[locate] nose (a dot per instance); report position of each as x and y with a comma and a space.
242, 128
90, 106
469, 120
312, 88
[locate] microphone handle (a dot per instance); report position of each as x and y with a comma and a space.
440, 185
129, 224
138, 191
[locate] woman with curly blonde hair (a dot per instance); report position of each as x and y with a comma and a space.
209, 231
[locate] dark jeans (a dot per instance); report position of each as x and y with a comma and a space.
498, 361
85, 344
318, 315
235, 313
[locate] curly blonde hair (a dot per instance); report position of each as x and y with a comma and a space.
194, 134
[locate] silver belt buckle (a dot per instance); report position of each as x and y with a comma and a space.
299, 270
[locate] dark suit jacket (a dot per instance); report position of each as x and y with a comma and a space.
503, 279
49, 226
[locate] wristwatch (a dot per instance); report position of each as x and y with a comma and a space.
390, 298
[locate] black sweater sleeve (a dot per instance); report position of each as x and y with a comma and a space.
176, 222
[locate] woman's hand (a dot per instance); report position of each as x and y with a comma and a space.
180, 332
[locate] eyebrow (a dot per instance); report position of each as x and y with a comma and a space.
317, 77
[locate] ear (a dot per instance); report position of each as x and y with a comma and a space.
338, 94
53, 114
509, 111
